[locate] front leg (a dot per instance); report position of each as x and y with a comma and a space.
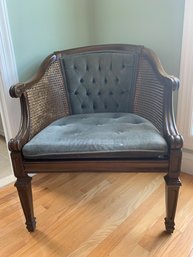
23, 185
172, 191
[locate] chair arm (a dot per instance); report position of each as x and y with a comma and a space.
154, 97
43, 100
18, 89
171, 134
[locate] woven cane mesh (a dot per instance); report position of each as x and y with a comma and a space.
149, 96
47, 99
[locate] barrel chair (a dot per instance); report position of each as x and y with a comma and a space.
103, 108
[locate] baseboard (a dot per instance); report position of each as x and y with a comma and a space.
187, 163
10, 179
2, 132
7, 180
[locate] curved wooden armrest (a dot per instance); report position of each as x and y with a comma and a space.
18, 89
43, 100
16, 143
175, 141
168, 80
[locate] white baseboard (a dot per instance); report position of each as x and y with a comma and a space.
1, 132
187, 163
7, 180
10, 179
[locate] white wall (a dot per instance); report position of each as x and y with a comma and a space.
1, 127
9, 109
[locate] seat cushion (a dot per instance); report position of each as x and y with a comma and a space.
121, 135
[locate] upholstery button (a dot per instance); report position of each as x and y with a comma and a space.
123, 66
99, 68
83, 106
87, 68
75, 67
99, 93
81, 80
76, 92
117, 105
117, 79
110, 93
93, 81
88, 93
105, 81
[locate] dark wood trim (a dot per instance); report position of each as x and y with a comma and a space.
97, 48
16, 144
23, 185
20, 88
169, 80
172, 186
97, 165
17, 163
175, 163
174, 139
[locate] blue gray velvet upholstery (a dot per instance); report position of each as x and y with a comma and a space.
100, 82
97, 133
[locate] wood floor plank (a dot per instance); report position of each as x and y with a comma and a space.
97, 215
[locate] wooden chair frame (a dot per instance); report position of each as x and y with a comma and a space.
170, 165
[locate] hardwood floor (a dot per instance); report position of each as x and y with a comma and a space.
97, 215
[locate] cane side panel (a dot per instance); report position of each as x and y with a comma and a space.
149, 95
47, 99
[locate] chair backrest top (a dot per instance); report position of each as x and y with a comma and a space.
100, 79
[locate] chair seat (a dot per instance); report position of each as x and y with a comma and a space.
117, 135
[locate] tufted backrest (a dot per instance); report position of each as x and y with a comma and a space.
100, 81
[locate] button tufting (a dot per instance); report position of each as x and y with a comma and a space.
88, 93
81, 80
87, 68
93, 81
99, 93
117, 79
75, 67
76, 92
105, 81
110, 93
99, 67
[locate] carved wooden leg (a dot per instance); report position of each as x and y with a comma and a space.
172, 190
23, 185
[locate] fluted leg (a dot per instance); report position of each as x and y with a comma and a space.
23, 185
172, 190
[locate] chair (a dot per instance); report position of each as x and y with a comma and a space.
97, 108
